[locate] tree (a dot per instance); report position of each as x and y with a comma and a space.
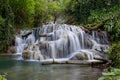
41, 13
80, 10
6, 28
23, 11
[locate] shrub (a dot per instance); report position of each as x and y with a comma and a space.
114, 55
3, 77
113, 74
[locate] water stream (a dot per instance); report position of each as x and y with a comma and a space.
61, 42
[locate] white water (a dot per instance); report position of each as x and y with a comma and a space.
61, 43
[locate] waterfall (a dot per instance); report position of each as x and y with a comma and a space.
61, 42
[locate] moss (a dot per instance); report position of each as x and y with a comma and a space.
96, 25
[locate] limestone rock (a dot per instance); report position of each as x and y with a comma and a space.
26, 54
82, 56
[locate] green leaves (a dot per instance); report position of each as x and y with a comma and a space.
114, 55
112, 25
109, 74
23, 11
3, 77
6, 28
47, 11
90, 11
1, 19
114, 74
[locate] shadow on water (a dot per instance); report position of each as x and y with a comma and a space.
27, 70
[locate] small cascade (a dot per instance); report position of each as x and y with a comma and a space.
61, 42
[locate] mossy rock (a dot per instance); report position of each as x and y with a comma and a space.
99, 25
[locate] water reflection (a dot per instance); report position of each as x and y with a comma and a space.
24, 70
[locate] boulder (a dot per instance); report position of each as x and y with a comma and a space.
99, 56
82, 56
79, 56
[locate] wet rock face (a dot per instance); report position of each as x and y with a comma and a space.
62, 41
32, 52
26, 54
12, 49
100, 56
91, 55
82, 56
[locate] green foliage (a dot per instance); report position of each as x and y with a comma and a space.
6, 36
6, 28
112, 25
54, 9
47, 11
1, 19
35, 12
98, 15
114, 55
3, 77
41, 13
113, 74
77, 11
81, 10
23, 11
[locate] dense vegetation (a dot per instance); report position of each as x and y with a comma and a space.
6, 25
3, 76
113, 74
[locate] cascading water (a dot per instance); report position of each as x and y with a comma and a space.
61, 42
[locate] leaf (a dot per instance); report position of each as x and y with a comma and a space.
109, 74
101, 78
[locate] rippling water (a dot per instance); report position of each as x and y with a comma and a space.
30, 70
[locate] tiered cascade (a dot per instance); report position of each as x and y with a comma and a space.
61, 42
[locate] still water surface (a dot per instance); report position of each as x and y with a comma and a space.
32, 70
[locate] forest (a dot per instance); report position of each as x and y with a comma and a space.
91, 14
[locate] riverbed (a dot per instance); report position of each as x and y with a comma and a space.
33, 70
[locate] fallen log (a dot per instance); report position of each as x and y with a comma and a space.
96, 25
